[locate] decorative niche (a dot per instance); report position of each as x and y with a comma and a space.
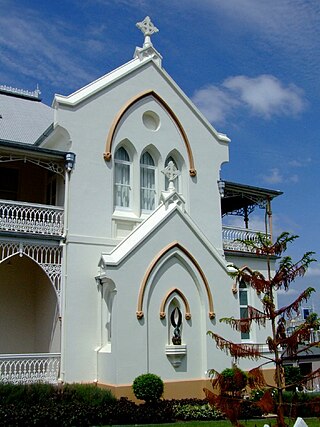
175, 349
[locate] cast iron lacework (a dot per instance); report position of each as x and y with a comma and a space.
47, 257
49, 165
29, 369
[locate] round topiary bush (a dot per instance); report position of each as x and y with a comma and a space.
148, 387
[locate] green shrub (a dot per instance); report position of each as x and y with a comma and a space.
148, 387
32, 393
301, 404
87, 394
293, 376
249, 410
196, 412
233, 380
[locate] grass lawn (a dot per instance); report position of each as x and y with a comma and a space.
311, 422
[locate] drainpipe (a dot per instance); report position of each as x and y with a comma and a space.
69, 165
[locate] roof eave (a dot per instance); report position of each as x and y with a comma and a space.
21, 147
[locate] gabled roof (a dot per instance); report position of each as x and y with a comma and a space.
23, 118
171, 204
143, 57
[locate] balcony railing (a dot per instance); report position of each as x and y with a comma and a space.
31, 218
231, 236
29, 368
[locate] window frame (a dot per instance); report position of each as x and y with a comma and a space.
243, 307
147, 167
117, 164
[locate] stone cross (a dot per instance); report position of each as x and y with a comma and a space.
171, 172
147, 28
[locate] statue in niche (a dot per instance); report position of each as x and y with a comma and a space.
176, 320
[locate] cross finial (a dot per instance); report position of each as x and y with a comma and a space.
147, 28
171, 172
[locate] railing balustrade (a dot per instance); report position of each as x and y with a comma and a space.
31, 218
29, 368
232, 235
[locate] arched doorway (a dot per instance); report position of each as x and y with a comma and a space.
29, 320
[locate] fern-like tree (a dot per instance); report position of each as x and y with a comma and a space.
266, 286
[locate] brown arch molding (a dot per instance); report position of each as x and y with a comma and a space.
129, 104
165, 300
152, 265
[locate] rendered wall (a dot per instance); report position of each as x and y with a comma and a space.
88, 125
139, 346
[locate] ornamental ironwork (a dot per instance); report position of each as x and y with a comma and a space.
31, 218
47, 257
29, 368
46, 164
232, 236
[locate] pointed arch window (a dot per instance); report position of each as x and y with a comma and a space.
147, 182
243, 302
122, 188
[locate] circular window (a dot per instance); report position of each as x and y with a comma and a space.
151, 120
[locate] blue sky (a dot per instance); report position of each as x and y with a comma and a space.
251, 66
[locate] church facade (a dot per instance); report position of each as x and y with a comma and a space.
114, 256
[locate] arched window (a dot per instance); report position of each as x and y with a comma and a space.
243, 302
176, 181
122, 187
147, 182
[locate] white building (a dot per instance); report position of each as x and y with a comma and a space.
111, 208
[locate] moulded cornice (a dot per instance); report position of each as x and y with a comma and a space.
102, 82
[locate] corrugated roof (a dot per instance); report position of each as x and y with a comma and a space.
23, 119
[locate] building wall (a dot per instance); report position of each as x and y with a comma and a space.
138, 346
88, 125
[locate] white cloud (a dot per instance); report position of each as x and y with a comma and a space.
291, 26
313, 271
274, 177
47, 50
264, 96
299, 163
215, 103
294, 178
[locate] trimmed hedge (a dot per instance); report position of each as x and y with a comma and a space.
88, 405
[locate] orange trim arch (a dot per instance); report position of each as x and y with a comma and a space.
129, 104
151, 267
184, 299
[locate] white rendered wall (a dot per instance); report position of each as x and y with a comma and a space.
88, 125
129, 350
90, 226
